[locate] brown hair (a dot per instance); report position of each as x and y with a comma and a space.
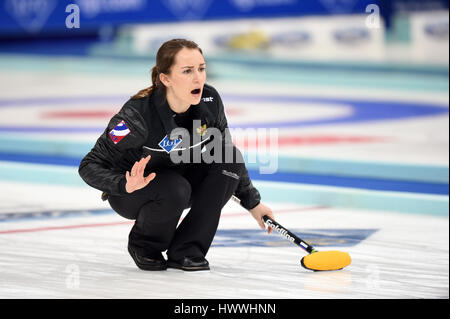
164, 61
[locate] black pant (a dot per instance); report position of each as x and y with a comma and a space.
157, 208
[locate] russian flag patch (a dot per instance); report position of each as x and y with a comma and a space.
119, 132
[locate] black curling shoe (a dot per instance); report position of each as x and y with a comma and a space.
189, 264
153, 263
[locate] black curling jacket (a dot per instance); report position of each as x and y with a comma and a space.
141, 127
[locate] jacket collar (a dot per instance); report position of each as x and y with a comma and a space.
199, 111
164, 111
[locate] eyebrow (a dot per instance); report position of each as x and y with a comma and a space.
190, 67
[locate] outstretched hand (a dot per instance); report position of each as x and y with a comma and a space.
258, 212
136, 179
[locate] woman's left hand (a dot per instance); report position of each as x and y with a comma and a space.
258, 212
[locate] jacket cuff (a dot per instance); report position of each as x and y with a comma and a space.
251, 200
252, 206
122, 183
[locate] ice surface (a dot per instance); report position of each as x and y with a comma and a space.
83, 255
62, 241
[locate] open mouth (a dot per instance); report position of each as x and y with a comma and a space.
196, 91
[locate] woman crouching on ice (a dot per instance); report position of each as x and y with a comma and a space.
132, 163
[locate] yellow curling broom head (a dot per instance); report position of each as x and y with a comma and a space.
326, 260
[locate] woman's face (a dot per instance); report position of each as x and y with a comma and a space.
187, 77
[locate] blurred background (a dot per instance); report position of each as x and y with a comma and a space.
355, 92
357, 89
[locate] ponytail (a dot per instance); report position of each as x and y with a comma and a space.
155, 83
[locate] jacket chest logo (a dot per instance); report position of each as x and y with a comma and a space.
201, 130
168, 145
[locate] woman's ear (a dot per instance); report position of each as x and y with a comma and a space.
164, 79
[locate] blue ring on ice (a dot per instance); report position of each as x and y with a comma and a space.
362, 111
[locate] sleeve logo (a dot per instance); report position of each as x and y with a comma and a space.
119, 132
